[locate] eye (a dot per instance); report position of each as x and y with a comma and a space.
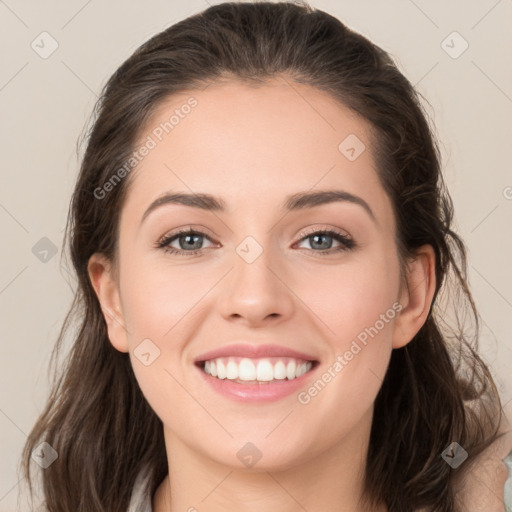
189, 242
323, 240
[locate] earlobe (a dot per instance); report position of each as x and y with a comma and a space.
107, 291
417, 296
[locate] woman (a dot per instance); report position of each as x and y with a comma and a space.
265, 257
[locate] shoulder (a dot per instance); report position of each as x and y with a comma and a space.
487, 483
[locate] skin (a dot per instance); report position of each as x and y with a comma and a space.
482, 488
253, 147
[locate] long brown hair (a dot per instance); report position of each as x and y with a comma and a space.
436, 391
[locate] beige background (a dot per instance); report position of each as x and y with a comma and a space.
46, 102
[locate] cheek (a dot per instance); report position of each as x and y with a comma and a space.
156, 298
158, 305
352, 297
163, 308
358, 305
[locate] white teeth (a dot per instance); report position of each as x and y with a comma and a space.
246, 370
221, 369
262, 370
279, 370
265, 371
290, 370
231, 370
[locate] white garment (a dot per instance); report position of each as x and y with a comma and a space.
141, 498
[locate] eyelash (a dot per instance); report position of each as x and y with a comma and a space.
346, 242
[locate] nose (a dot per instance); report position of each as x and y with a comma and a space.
256, 293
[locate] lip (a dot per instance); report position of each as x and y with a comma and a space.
254, 352
256, 392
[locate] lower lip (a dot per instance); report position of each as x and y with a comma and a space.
265, 392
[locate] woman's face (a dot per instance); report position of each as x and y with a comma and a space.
258, 280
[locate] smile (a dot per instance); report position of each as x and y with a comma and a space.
246, 370
257, 380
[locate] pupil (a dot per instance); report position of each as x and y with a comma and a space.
189, 237
315, 237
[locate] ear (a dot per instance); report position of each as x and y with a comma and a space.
416, 296
105, 285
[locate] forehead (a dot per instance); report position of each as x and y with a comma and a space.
238, 140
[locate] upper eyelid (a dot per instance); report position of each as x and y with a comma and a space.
187, 230
304, 234
330, 231
338, 231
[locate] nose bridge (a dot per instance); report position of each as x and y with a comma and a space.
256, 289
253, 261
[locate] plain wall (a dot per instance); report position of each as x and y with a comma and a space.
46, 103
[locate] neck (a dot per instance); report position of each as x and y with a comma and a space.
331, 481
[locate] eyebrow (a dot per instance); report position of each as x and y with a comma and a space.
298, 201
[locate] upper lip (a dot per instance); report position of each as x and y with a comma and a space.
253, 351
